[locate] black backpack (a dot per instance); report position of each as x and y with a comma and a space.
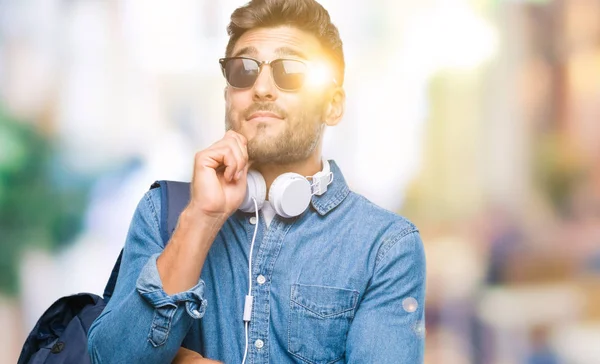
60, 335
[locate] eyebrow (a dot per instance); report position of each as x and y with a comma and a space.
281, 51
246, 51
287, 51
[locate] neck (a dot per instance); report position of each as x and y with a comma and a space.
307, 167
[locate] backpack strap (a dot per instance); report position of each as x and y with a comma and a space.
112, 281
174, 198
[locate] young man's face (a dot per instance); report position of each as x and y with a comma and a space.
281, 126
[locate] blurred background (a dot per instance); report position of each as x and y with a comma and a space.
478, 120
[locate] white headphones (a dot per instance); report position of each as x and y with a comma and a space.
290, 193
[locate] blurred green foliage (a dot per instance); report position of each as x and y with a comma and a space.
41, 202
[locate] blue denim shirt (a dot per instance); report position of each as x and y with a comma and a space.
342, 283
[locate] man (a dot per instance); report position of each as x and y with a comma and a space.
343, 281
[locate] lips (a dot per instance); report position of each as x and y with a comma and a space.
263, 116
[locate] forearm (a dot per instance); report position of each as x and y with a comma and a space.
218, 188
180, 264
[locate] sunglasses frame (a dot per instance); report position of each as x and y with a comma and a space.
223, 62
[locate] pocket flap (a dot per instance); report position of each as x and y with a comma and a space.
324, 301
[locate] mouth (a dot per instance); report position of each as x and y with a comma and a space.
264, 116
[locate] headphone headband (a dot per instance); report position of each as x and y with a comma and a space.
290, 193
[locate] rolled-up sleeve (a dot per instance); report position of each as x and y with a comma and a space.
150, 287
389, 323
141, 323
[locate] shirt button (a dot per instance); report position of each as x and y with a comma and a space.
259, 344
261, 279
253, 220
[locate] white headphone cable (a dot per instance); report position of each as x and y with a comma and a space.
249, 298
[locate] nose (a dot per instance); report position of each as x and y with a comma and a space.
264, 88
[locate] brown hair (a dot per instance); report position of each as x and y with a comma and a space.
306, 15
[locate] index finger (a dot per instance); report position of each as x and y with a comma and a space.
242, 143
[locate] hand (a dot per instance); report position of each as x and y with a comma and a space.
219, 178
186, 356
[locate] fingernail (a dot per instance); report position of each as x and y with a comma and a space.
238, 175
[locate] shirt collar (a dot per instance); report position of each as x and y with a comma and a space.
335, 194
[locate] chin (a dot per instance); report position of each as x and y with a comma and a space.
265, 131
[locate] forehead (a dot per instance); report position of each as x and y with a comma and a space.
269, 43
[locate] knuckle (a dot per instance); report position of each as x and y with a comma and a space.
231, 157
231, 149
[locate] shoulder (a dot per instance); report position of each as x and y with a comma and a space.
147, 216
150, 204
376, 216
390, 232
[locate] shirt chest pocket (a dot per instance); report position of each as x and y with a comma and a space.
319, 321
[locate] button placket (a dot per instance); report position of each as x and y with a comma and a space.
262, 266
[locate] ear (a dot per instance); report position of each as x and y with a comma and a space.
336, 107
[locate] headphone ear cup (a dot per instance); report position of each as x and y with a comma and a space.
255, 188
290, 195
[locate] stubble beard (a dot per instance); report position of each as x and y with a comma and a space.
295, 143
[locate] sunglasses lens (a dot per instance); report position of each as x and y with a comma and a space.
289, 74
241, 73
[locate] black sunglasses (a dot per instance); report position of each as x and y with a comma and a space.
242, 72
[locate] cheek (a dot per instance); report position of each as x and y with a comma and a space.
310, 102
236, 102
